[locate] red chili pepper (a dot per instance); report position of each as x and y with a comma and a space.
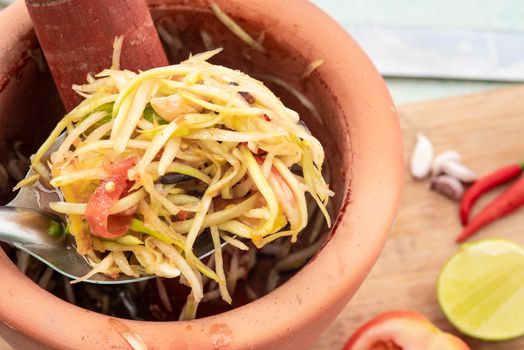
484, 184
510, 200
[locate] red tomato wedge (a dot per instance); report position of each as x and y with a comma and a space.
106, 194
402, 330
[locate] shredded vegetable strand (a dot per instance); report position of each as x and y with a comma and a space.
117, 49
104, 265
103, 145
156, 145
263, 186
219, 265
133, 115
120, 117
218, 217
162, 230
123, 264
75, 134
198, 222
147, 182
235, 28
169, 154
184, 267
81, 175
62, 124
99, 132
234, 242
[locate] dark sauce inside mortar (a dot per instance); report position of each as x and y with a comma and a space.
182, 31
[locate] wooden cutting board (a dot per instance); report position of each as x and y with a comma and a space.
487, 129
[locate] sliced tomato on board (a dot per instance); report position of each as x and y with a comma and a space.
106, 194
402, 330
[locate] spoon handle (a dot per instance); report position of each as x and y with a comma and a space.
29, 226
77, 38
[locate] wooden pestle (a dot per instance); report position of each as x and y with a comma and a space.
77, 37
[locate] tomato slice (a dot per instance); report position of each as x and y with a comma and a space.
402, 330
106, 194
182, 215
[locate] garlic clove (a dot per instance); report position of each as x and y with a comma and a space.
460, 171
421, 157
447, 185
441, 159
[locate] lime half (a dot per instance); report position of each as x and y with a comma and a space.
481, 290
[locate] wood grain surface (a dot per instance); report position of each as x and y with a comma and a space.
488, 130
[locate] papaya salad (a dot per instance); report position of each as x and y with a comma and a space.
152, 160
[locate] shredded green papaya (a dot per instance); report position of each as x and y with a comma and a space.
154, 161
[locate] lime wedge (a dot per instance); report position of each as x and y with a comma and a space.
481, 290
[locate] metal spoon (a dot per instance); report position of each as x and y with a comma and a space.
27, 224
